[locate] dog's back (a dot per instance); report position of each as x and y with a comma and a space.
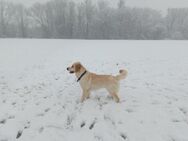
109, 82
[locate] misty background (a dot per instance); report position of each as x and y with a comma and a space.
88, 19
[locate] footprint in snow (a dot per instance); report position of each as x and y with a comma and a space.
4, 101
82, 124
40, 114
11, 117
2, 77
107, 118
13, 103
92, 125
69, 121
45, 97
25, 101
27, 125
3, 121
19, 134
155, 102
123, 136
130, 110
41, 130
176, 120
47, 110
184, 111
134, 101
98, 138
56, 78
120, 122
38, 103
169, 102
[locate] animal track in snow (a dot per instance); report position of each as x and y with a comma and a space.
11, 117
47, 110
27, 125
40, 114
129, 110
108, 118
13, 103
92, 125
98, 138
123, 136
41, 130
82, 124
183, 111
69, 121
176, 121
19, 134
3, 121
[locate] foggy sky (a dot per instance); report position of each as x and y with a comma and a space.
161, 5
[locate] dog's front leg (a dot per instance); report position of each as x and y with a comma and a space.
87, 96
83, 96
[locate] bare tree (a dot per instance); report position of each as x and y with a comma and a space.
89, 15
176, 23
21, 20
61, 15
80, 27
86, 20
39, 14
121, 19
71, 19
6, 16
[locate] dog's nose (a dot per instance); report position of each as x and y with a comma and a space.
67, 68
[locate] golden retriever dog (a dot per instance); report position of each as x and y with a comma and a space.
90, 81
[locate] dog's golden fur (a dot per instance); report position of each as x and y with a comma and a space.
91, 81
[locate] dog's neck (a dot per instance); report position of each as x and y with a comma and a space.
82, 70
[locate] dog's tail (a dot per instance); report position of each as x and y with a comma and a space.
122, 75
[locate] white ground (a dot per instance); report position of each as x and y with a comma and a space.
39, 99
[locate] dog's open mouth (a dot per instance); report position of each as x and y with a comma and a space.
71, 71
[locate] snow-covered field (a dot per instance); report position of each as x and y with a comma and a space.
40, 100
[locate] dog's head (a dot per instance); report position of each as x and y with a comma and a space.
75, 67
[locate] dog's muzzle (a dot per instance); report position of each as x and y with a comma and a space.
68, 69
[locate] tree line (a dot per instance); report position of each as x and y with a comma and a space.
65, 19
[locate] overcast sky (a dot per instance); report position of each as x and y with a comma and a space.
161, 5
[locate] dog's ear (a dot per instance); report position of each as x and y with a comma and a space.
78, 67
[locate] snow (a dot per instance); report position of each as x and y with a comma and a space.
40, 100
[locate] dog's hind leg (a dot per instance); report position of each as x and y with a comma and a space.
115, 96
